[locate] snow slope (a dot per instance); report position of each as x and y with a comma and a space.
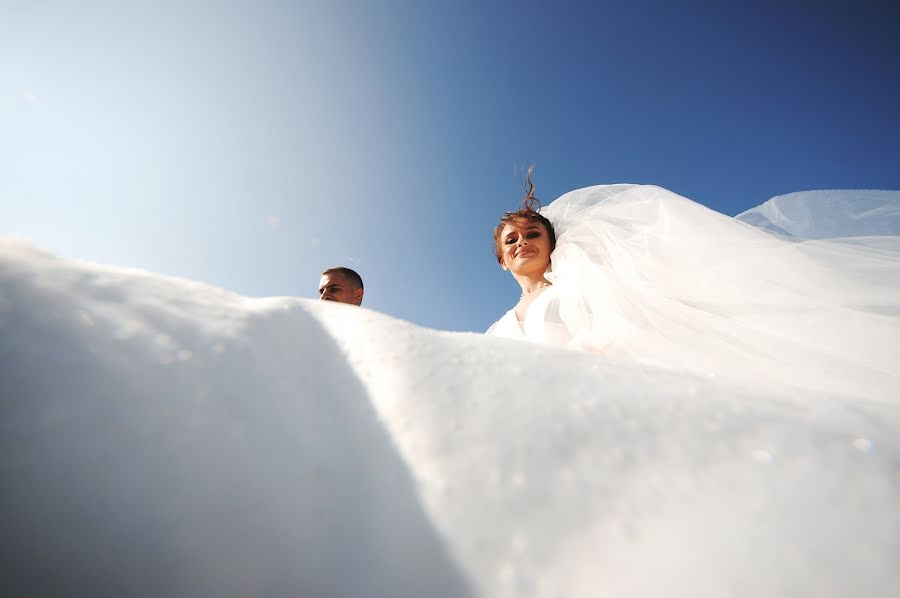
828, 214
165, 438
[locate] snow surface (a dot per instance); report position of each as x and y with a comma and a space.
161, 437
828, 214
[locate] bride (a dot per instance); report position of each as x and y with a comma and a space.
523, 243
639, 274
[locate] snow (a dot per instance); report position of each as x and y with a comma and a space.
829, 214
165, 438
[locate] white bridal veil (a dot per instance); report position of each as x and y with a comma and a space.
647, 275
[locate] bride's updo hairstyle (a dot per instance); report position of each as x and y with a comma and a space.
529, 213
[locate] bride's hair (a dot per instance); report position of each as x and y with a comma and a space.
529, 212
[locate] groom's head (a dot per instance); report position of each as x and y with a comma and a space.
341, 284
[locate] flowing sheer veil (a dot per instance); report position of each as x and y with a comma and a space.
649, 276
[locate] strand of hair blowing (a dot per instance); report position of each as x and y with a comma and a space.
531, 203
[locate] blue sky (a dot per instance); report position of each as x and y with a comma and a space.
252, 144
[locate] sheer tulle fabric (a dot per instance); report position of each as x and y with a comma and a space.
645, 275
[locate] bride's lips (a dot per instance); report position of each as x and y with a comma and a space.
526, 253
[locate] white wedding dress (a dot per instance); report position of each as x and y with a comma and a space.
644, 275
542, 323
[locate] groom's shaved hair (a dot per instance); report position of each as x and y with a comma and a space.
352, 277
341, 284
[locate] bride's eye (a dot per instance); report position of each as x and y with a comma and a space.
510, 240
533, 235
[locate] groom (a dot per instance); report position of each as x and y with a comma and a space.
341, 284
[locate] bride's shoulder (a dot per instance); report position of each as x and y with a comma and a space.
499, 328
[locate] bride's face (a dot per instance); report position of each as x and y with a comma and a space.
525, 247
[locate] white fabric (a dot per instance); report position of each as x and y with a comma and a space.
542, 323
161, 437
645, 275
829, 214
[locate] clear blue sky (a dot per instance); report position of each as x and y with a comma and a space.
252, 144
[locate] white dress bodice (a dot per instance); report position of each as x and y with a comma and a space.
542, 323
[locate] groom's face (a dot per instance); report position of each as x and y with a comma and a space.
334, 286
